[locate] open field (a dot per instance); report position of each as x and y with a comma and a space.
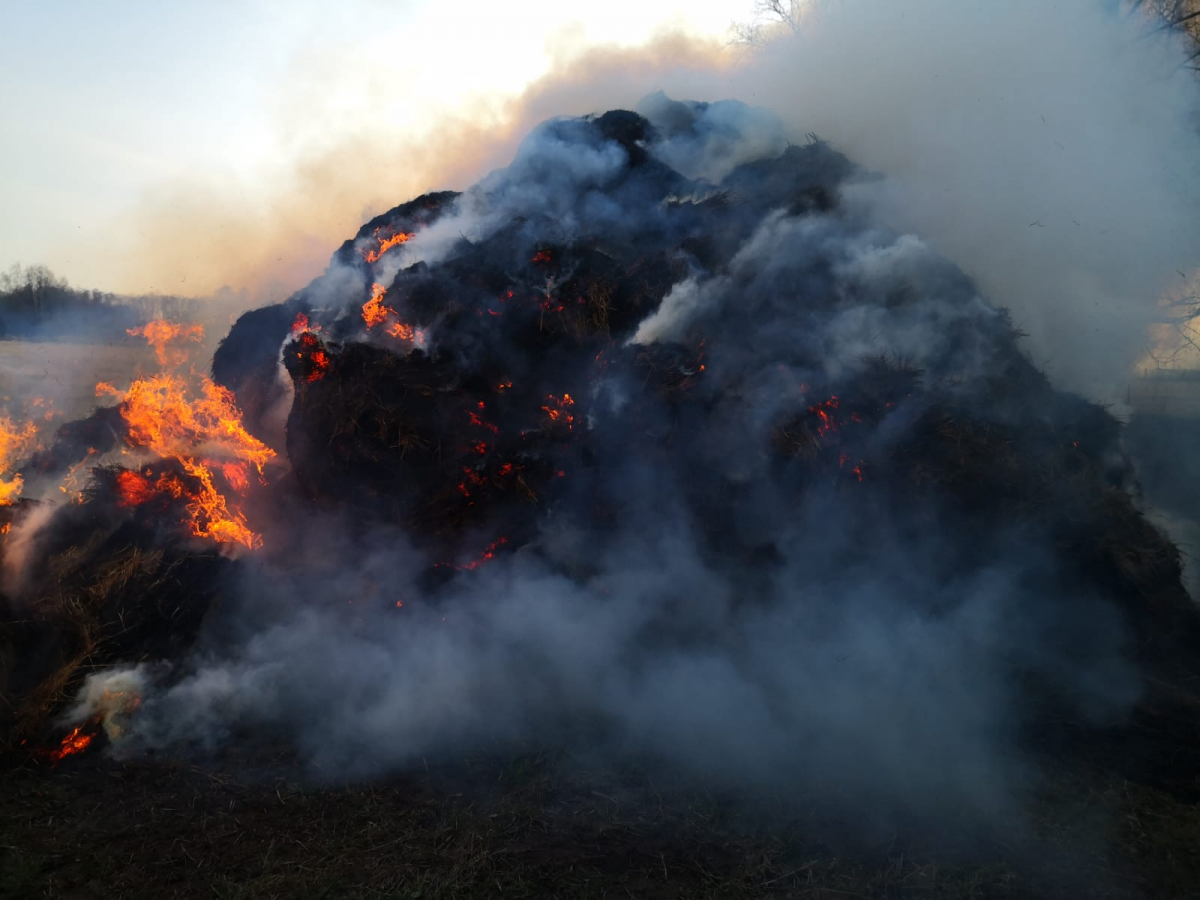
67, 372
525, 828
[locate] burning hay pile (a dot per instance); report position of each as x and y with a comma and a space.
653, 365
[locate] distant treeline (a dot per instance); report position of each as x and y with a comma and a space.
37, 305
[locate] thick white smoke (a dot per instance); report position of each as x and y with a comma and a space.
1052, 150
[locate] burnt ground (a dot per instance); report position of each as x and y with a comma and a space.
537, 826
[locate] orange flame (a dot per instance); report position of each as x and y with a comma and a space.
73, 743
160, 332
70, 483
209, 515
164, 420
373, 311
386, 244
402, 331
14, 442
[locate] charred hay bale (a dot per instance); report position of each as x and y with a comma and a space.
99, 590
1034, 474
405, 439
806, 176
247, 361
75, 441
408, 217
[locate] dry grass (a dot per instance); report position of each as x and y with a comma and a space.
516, 830
531, 827
108, 597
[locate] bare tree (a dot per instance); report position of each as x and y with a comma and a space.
770, 16
1180, 15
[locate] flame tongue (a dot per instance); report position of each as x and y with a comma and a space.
386, 244
14, 441
208, 512
375, 313
160, 333
163, 419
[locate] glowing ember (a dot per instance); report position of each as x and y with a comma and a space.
75, 742
134, 489
480, 422
386, 244
472, 478
558, 411
824, 413
14, 442
541, 256
160, 333
318, 360
488, 554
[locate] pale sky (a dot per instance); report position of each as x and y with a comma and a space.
104, 102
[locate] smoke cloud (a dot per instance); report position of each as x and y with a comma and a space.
1050, 150
271, 237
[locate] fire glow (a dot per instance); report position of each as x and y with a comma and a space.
160, 333
14, 441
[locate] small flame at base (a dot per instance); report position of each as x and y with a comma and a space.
75, 742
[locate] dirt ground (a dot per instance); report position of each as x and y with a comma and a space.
531, 826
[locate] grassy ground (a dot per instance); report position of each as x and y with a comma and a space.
527, 828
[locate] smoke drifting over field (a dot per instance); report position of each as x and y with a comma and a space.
674, 440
